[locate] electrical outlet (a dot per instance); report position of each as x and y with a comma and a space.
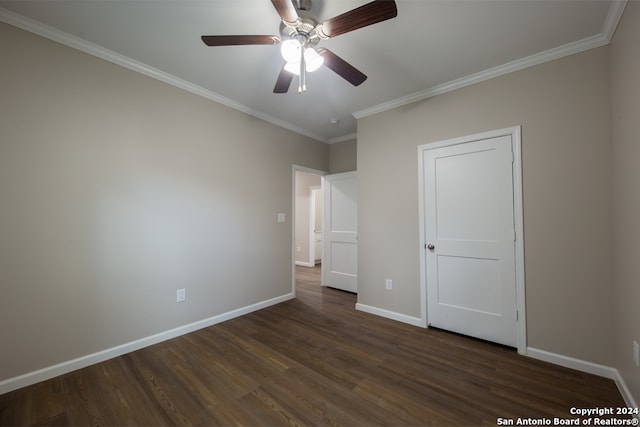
181, 295
388, 284
636, 353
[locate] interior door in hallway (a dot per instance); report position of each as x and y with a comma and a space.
340, 258
470, 234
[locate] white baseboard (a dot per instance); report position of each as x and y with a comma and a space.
557, 359
573, 363
415, 321
588, 367
625, 392
305, 264
91, 359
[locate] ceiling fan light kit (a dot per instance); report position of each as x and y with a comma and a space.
312, 59
300, 32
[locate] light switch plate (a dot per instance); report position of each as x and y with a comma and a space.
281, 217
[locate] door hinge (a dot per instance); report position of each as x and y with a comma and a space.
517, 315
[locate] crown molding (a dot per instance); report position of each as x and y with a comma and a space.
35, 27
613, 19
343, 138
611, 22
77, 43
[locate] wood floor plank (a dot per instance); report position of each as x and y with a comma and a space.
311, 361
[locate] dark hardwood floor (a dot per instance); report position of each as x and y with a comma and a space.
311, 361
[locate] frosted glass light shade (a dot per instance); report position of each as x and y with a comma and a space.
290, 50
293, 67
312, 59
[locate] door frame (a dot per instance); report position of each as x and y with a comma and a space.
297, 168
515, 133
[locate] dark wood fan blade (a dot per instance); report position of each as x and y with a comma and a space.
370, 13
239, 40
342, 67
284, 81
286, 10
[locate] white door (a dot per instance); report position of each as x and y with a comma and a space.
470, 234
340, 258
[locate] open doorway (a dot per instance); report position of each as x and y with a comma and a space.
307, 225
315, 226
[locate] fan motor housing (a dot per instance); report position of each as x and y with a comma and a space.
306, 27
302, 4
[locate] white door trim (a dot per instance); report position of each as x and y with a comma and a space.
515, 133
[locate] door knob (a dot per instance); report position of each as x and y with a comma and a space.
430, 247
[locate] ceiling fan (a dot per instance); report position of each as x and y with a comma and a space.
300, 33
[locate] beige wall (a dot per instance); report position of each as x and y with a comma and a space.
342, 157
563, 107
115, 191
625, 88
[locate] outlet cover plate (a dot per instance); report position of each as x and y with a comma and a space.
181, 295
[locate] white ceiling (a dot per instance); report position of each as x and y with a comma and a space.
431, 46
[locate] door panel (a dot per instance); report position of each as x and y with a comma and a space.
340, 259
454, 273
469, 221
